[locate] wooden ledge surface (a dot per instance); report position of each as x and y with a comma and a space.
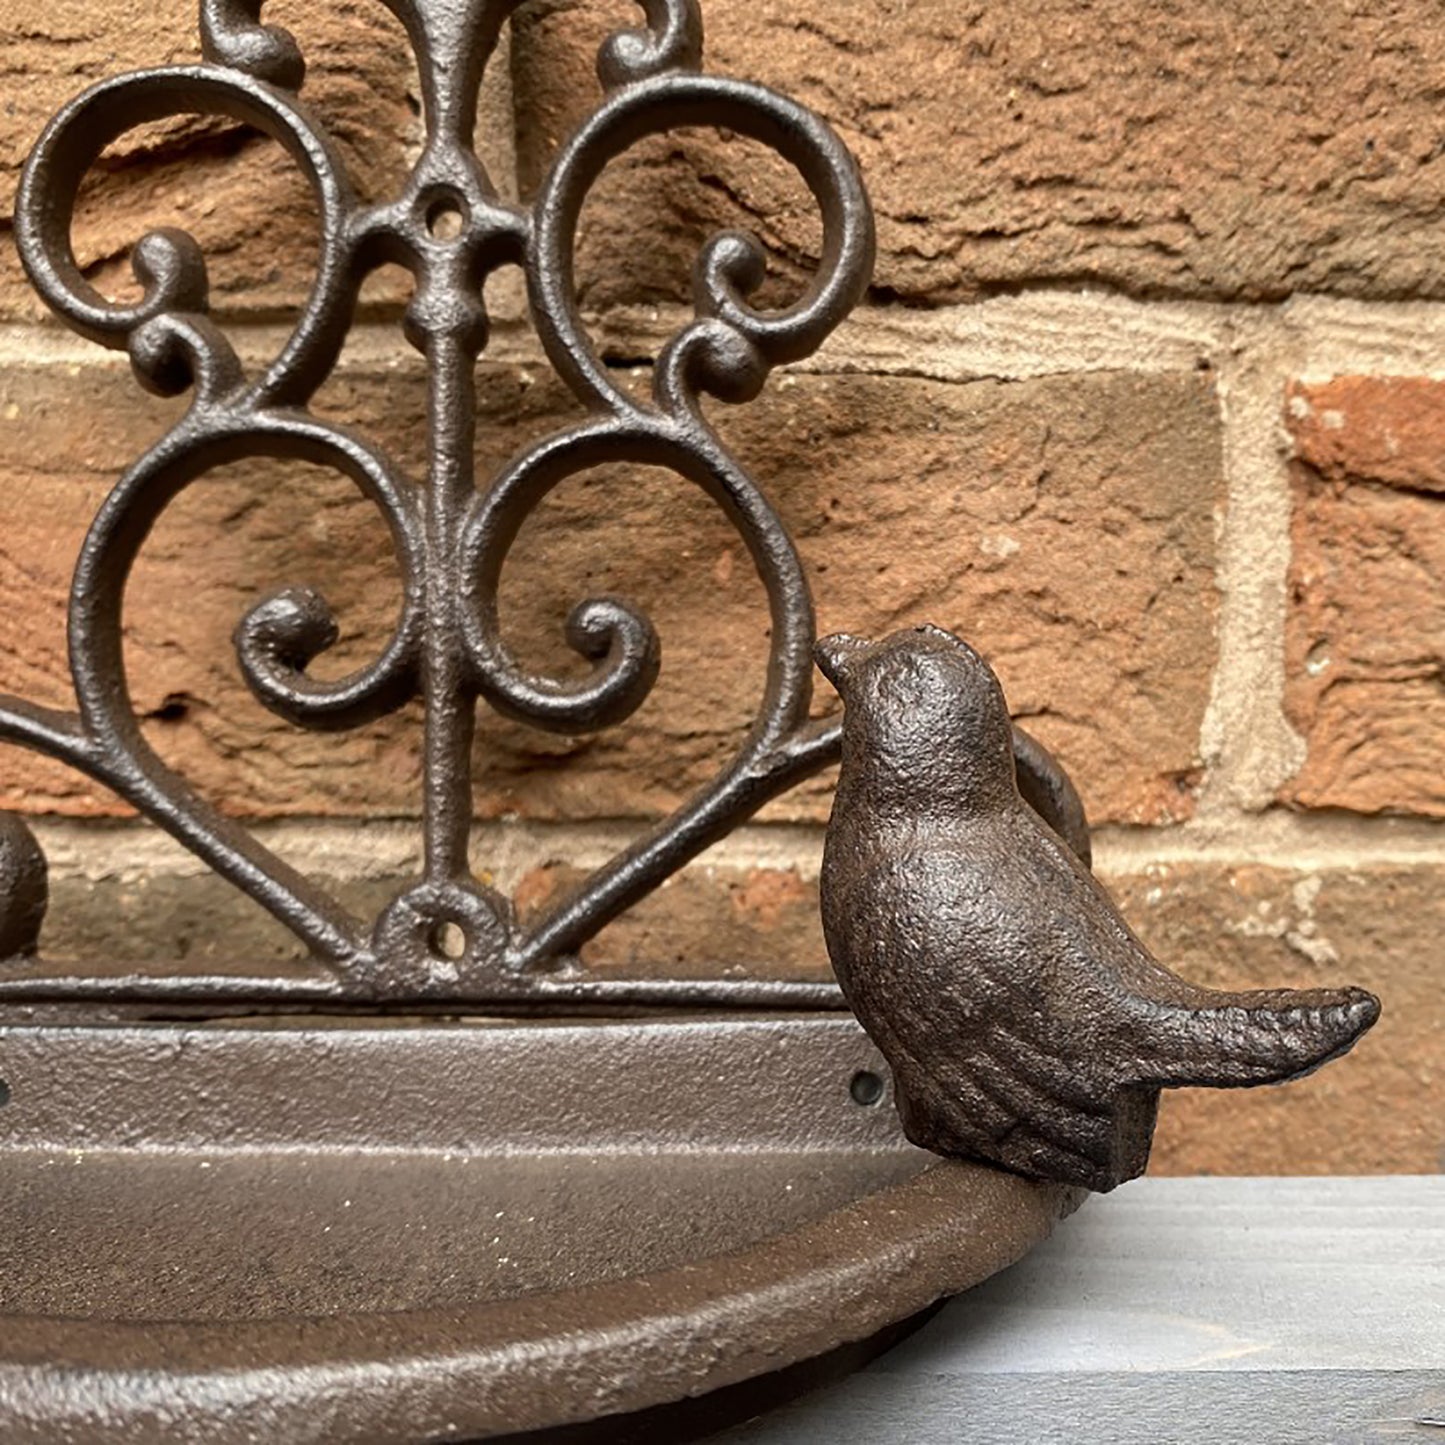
1301, 1311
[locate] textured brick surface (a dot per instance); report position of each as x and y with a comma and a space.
704, 922
1379, 1110
235, 191
1366, 629
1066, 525
1225, 152
1236, 150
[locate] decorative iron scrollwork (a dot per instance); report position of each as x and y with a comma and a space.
452, 535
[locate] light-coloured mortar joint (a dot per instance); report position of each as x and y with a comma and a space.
1246, 743
503, 854
1012, 338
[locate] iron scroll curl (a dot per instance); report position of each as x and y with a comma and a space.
452, 535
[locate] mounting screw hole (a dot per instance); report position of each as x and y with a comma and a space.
4, 1093
866, 1088
448, 940
445, 218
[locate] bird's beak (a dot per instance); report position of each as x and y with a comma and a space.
835, 654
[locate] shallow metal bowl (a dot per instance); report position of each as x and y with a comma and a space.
419, 1231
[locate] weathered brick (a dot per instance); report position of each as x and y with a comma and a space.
235, 191
1065, 524
1228, 151
156, 922
1366, 628
1381, 1109
705, 922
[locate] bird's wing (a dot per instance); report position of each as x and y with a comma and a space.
946, 978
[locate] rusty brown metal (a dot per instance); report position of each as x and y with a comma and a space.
402, 1232
1024, 1022
242, 1205
451, 536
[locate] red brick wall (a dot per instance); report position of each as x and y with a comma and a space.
1143, 402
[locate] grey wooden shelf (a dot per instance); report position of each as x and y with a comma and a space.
1175, 1311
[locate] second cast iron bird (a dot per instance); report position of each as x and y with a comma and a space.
1024, 1023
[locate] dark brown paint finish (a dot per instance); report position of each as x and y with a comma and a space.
1024, 1022
403, 1232
246, 1206
451, 529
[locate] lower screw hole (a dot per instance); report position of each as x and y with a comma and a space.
866, 1088
4, 1093
448, 940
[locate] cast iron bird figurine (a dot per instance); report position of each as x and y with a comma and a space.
1024, 1023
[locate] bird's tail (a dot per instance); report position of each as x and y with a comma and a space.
1228, 1040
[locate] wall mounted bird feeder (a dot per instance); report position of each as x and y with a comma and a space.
445, 1183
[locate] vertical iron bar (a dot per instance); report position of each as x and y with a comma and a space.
450, 701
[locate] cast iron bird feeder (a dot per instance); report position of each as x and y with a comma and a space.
442, 1182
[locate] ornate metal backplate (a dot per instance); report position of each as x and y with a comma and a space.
451, 534
451, 230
